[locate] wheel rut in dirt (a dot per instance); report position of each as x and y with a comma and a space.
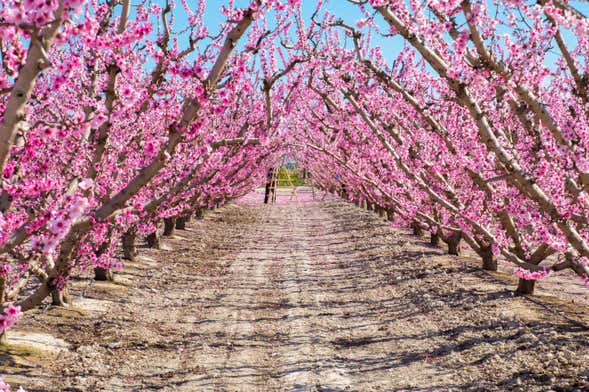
319, 296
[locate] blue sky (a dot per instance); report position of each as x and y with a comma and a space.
350, 13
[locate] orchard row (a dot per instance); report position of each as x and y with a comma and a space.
115, 117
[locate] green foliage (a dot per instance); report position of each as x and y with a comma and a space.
295, 174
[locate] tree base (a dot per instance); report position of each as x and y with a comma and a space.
489, 260
181, 223
3, 339
169, 226
525, 287
60, 298
153, 240
434, 239
454, 244
103, 275
129, 249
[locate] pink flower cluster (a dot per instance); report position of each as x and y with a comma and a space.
60, 225
5, 270
532, 275
9, 318
4, 387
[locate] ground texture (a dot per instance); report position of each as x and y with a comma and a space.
305, 297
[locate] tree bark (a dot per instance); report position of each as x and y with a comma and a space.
383, 213
390, 215
3, 338
169, 226
454, 244
103, 274
153, 240
417, 230
489, 259
267, 193
60, 297
434, 239
181, 222
525, 286
2, 290
129, 249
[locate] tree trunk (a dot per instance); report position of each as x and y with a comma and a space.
103, 274
169, 226
198, 213
60, 297
390, 215
181, 222
269, 178
363, 204
525, 286
129, 249
383, 213
3, 338
153, 240
2, 290
454, 244
489, 259
417, 230
434, 239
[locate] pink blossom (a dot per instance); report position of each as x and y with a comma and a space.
532, 275
86, 184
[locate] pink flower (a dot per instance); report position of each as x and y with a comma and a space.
12, 311
57, 225
4, 387
532, 275
5, 269
86, 184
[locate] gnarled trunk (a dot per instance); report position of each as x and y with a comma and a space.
169, 226
60, 297
434, 239
417, 230
268, 197
129, 249
525, 286
3, 339
454, 244
383, 213
390, 215
489, 259
103, 274
153, 240
181, 222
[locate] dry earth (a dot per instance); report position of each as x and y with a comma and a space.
304, 297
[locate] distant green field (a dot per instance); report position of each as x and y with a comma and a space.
295, 177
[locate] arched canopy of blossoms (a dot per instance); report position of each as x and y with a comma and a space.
115, 116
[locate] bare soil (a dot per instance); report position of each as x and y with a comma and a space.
320, 296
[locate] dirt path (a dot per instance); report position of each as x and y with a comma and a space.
311, 297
